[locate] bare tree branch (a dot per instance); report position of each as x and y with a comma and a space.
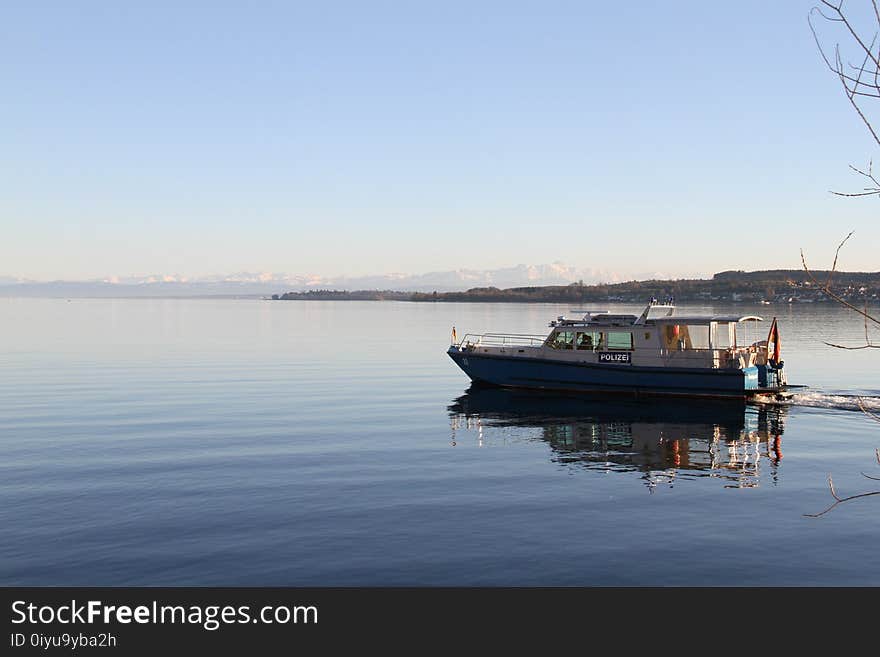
831, 294
843, 19
836, 255
859, 81
863, 118
839, 500
840, 346
862, 83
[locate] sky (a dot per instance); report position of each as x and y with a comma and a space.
353, 138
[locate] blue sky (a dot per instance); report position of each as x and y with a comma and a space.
353, 138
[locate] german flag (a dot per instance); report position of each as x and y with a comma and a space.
773, 337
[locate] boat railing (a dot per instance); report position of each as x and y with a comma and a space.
502, 340
753, 348
742, 356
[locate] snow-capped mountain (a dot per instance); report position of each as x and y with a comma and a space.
265, 283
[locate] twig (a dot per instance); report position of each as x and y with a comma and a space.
858, 81
845, 499
839, 500
871, 415
831, 294
869, 191
867, 344
840, 346
836, 254
876, 451
843, 19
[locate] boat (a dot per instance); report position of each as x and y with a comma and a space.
656, 353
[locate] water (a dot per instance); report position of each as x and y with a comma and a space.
245, 442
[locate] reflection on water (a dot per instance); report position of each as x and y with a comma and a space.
665, 440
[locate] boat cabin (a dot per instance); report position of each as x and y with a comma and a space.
703, 340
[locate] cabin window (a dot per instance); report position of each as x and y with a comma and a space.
562, 340
699, 336
723, 335
675, 337
683, 337
589, 340
618, 340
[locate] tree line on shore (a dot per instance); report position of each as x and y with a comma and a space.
783, 285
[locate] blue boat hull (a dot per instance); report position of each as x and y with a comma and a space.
546, 374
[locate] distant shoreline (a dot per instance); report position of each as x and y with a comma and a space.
774, 286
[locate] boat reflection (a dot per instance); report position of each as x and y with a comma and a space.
664, 440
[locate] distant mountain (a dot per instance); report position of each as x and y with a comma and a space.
554, 282
12, 280
463, 279
267, 283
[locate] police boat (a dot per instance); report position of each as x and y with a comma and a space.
656, 353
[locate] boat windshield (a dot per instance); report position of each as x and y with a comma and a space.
588, 340
561, 340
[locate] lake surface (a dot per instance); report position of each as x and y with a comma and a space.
246, 442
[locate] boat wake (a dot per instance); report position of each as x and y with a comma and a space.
842, 401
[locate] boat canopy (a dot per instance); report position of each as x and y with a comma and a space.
706, 319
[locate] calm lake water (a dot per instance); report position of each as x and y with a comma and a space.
246, 442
